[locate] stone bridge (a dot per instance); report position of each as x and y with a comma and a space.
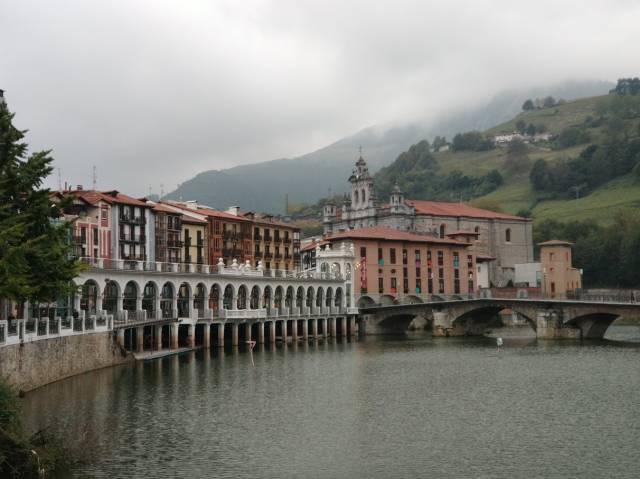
549, 318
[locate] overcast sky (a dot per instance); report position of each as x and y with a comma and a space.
155, 91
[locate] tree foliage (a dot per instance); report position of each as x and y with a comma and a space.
627, 86
608, 255
35, 254
472, 141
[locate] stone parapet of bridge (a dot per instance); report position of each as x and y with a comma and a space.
549, 318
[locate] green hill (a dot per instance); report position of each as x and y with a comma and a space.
599, 118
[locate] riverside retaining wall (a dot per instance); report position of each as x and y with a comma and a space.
31, 365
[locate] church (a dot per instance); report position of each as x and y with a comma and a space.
501, 240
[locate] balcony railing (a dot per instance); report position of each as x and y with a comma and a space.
79, 239
287, 241
133, 238
137, 220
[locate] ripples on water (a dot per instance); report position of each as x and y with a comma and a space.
380, 407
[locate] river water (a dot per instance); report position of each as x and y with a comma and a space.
379, 407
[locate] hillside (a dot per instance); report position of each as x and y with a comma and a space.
517, 193
263, 186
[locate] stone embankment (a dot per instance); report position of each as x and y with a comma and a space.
33, 364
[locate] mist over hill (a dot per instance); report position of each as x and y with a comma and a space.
263, 186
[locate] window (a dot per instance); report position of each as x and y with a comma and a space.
405, 272
363, 252
394, 285
364, 197
392, 253
456, 260
405, 285
442, 230
456, 286
418, 285
355, 198
95, 236
470, 262
507, 235
380, 285
417, 272
380, 257
551, 255
441, 286
417, 253
405, 256
440, 258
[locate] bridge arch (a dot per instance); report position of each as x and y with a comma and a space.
289, 299
365, 301
130, 296
387, 299
200, 298
412, 299
329, 300
184, 300
90, 295
320, 298
278, 299
227, 299
300, 297
267, 298
309, 298
474, 319
111, 296
167, 295
592, 325
149, 298
215, 294
338, 298
241, 303
254, 298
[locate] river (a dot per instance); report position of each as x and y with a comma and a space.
379, 407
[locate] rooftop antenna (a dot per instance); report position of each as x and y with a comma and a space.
161, 190
94, 177
286, 203
59, 179
360, 148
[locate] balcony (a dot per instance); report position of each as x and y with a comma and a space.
278, 256
257, 254
268, 255
233, 236
136, 220
277, 240
257, 237
132, 238
175, 244
287, 240
268, 239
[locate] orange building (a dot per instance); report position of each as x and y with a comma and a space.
393, 262
558, 274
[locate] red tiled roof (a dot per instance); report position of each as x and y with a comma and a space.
483, 257
116, 197
165, 209
88, 196
208, 212
313, 244
390, 234
439, 208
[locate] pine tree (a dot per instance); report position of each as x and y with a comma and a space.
35, 254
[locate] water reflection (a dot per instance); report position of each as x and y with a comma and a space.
379, 407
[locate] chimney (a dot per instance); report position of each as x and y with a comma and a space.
192, 204
234, 210
79, 187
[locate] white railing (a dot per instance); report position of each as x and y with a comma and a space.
245, 313
17, 331
191, 268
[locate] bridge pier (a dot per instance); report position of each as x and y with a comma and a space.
174, 336
314, 327
343, 326
272, 332
294, 330
305, 329
550, 325
234, 334
221, 335
140, 339
352, 326
206, 336
284, 331
158, 337
261, 332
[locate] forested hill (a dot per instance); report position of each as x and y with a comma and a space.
263, 186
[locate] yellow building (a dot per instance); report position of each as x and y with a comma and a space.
559, 277
275, 243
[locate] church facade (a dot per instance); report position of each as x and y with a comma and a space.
500, 239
